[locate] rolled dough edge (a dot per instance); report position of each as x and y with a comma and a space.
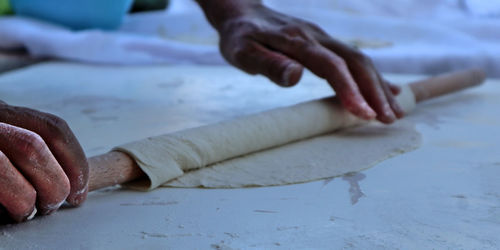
411, 145
158, 175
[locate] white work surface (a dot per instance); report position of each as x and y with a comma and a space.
446, 194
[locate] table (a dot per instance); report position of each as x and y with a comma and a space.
446, 194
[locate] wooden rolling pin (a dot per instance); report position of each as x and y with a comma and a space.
116, 167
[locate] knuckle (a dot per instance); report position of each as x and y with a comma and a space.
338, 62
361, 58
240, 52
296, 31
57, 127
292, 29
242, 26
314, 27
56, 121
31, 142
299, 43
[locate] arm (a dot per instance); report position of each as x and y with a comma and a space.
259, 40
41, 163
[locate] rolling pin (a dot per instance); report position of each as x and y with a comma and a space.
117, 167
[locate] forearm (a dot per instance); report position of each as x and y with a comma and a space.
218, 11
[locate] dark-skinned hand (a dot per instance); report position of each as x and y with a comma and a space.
259, 40
41, 163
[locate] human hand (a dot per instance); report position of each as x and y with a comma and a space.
259, 40
41, 163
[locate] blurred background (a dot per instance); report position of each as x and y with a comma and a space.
402, 36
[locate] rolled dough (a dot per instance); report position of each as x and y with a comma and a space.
281, 146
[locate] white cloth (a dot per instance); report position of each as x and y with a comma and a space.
95, 46
404, 36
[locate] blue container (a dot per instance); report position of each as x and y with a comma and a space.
76, 14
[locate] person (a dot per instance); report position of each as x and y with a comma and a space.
42, 163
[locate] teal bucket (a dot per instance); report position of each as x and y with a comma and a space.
76, 14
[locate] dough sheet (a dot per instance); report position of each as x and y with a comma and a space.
280, 146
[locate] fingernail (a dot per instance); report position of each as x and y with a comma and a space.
387, 110
390, 117
48, 211
397, 89
32, 215
371, 114
399, 112
78, 197
77, 200
292, 74
368, 112
50, 208
27, 217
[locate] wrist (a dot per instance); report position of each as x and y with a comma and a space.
220, 11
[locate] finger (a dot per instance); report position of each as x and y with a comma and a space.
17, 195
389, 93
374, 88
62, 143
29, 153
395, 89
256, 59
325, 64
